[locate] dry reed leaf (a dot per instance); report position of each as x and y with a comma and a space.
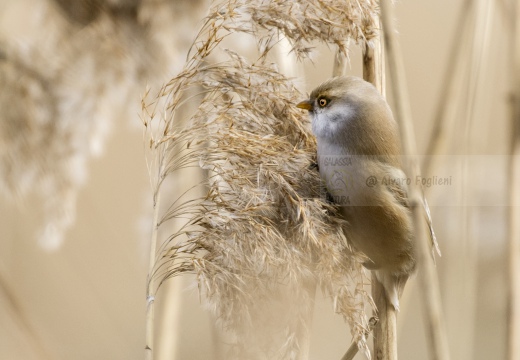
263, 230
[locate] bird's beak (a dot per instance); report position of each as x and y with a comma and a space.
305, 104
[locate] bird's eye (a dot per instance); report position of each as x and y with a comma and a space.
322, 102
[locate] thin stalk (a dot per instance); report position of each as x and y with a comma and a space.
385, 332
150, 290
289, 65
513, 345
440, 121
466, 261
428, 278
340, 64
354, 349
513, 318
374, 65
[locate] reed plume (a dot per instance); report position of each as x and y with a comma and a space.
263, 229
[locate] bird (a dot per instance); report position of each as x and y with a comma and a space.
359, 160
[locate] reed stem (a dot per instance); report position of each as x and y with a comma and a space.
428, 278
513, 318
150, 289
385, 331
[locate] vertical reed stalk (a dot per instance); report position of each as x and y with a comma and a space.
513, 345
441, 118
150, 290
466, 260
385, 331
385, 324
150, 283
374, 65
513, 348
428, 277
340, 64
287, 60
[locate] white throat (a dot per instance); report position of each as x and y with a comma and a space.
331, 122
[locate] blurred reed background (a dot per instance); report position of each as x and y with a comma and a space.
76, 201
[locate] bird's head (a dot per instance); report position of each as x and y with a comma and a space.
342, 104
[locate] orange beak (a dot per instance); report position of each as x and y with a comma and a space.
306, 105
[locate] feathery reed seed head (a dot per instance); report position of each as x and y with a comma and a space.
262, 230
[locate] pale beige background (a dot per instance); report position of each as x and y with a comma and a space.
87, 299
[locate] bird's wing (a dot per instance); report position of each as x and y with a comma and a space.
399, 189
397, 185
